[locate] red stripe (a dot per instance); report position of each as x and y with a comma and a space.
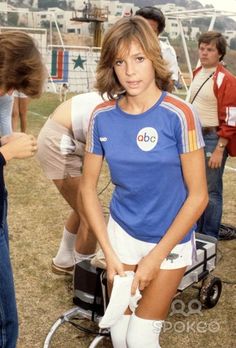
60, 57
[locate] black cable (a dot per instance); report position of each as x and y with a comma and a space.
104, 189
86, 330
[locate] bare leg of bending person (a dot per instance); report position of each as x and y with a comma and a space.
78, 242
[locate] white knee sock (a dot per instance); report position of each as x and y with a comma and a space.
143, 332
119, 332
65, 254
81, 257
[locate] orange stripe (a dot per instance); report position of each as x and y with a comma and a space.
186, 110
105, 104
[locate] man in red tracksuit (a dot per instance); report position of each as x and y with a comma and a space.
213, 95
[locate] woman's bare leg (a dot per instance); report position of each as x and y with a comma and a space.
157, 297
23, 108
15, 114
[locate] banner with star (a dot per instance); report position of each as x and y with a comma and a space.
77, 68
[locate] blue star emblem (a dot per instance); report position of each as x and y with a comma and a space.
79, 62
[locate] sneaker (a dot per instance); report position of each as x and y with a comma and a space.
62, 270
227, 232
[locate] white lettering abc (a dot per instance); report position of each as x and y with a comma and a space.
147, 138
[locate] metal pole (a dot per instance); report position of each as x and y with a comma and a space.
58, 30
185, 48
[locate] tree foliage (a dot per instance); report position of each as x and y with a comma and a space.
44, 4
233, 44
12, 19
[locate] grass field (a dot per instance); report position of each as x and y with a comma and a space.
36, 217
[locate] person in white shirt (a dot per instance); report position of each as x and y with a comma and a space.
156, 19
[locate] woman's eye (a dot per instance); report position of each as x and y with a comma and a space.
118, 62
140, 59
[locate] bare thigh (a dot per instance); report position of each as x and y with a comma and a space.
15, 114
158, 295
23, 106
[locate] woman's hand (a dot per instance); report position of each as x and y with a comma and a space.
114, 266
7, 138
19, 146
147, 270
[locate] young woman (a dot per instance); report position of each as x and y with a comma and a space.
153, 145
21, 68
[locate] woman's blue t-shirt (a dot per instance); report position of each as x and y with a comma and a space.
143, 154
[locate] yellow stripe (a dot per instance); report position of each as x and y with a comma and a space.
192, 140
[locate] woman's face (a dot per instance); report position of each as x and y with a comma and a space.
134, 70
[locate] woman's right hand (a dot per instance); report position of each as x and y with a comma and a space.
19, 146
114, 267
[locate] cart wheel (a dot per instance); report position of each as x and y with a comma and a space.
210, 291
96, 342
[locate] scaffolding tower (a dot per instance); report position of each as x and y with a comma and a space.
92, 14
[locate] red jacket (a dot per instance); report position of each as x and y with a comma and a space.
225, 92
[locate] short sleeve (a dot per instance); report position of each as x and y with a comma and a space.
93, 143
188, 130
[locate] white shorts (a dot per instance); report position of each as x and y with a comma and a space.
130, 250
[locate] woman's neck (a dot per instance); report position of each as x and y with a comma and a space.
139, 104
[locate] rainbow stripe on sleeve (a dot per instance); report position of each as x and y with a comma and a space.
191, 128
107, 105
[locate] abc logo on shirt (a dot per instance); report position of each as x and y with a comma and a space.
147, 138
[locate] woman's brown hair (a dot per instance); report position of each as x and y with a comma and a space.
118, 39
21, 65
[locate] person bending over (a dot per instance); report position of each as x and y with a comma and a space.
61, 144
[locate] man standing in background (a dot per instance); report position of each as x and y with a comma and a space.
213, 95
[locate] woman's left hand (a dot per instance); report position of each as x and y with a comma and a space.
147, 270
